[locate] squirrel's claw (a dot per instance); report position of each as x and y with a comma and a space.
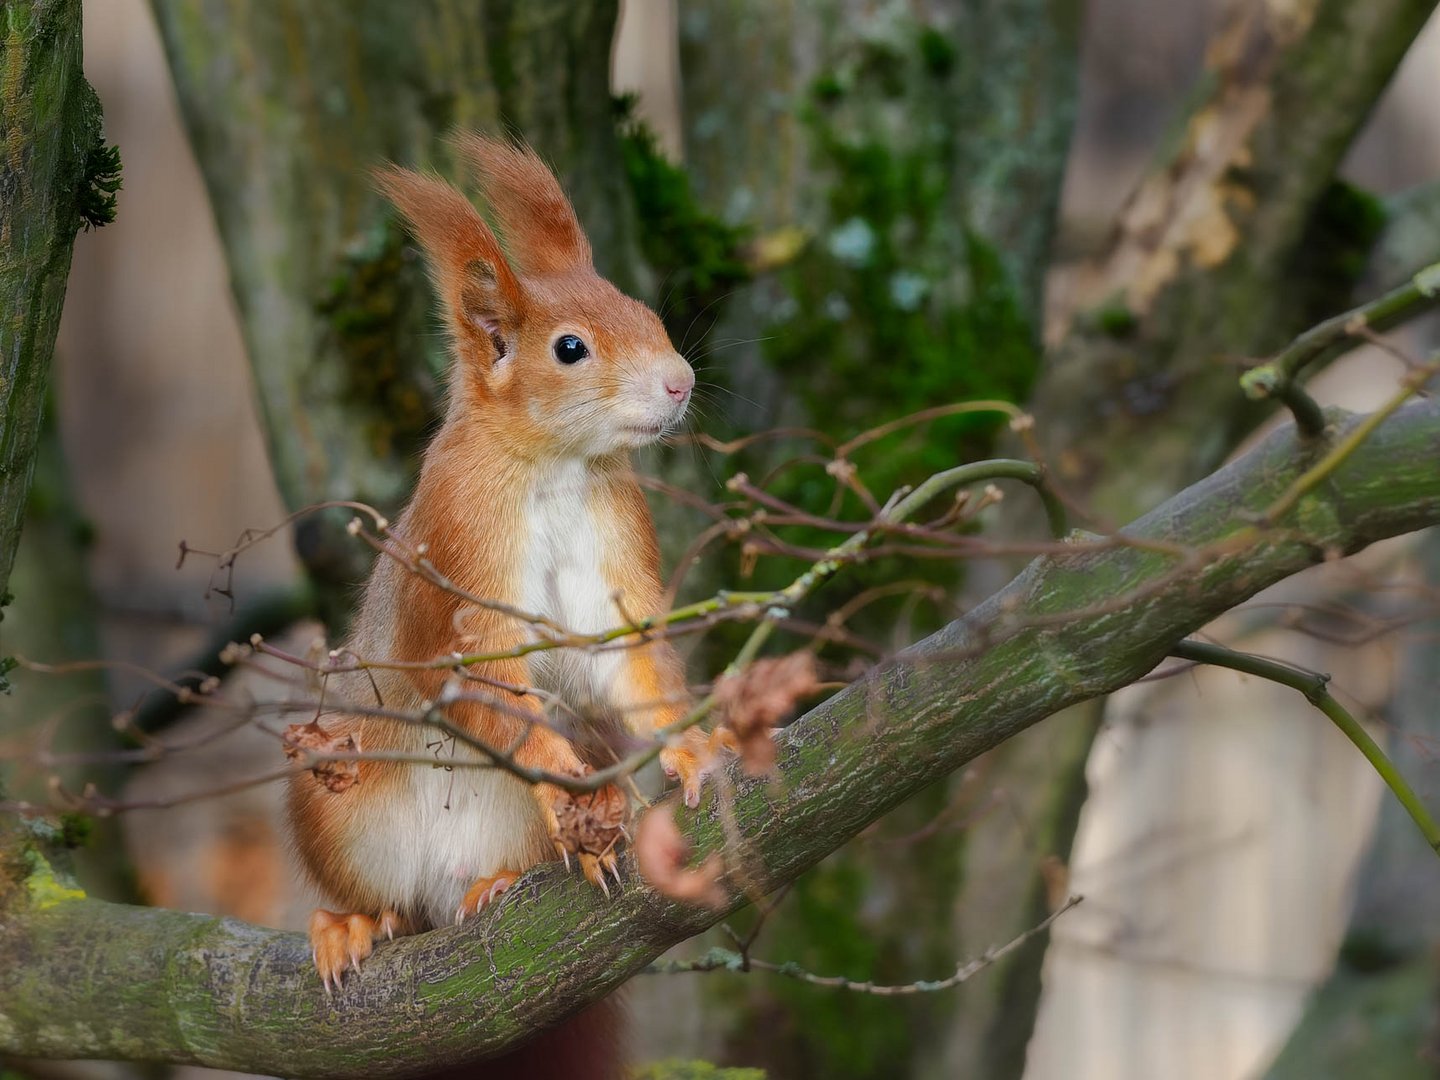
595, 867
690, 761
486, 890
340, 943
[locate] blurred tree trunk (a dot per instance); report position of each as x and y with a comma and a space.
922, 149
50, 151
288, 107
1155, 353
55, 619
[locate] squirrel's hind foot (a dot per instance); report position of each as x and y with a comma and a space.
341, 942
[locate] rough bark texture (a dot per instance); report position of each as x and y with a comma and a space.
93, 979
288, 107
49, 129
1007, 67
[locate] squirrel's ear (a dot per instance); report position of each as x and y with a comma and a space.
482, 297
540, 227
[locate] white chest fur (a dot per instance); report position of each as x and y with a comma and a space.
563, 579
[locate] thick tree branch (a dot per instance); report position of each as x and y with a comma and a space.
84, 978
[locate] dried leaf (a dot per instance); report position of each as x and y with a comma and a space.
754, 701
305, 740
662, 853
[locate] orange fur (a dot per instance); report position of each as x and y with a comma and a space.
525, 496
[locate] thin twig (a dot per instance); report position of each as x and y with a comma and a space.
728, 960
1315, 687
1278, 377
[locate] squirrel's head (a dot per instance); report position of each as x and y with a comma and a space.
542, 344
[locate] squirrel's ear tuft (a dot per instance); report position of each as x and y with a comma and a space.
482, 297
540, 226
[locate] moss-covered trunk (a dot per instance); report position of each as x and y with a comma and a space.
50, 156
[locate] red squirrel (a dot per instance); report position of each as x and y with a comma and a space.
525, 497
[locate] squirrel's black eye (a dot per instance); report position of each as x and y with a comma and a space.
569, 349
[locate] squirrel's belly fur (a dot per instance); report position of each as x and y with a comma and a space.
563, 578
445, 829
440, 829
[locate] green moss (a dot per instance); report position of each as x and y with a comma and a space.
1367, 951
1115, 319
937, 52
827, 89
1335, 249
7, 665
45, 887
696, 255
900, 306
102, 181
377, 325
76, 830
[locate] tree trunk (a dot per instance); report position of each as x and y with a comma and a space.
52, 154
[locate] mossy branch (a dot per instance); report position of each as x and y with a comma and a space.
89, 979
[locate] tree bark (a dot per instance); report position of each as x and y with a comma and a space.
93, 979
49, 133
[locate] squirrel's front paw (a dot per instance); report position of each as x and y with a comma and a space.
339, 943
690, 760
588, 825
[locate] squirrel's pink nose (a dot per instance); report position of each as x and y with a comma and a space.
679, 387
